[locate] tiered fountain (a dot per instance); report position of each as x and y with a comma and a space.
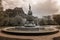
30, 27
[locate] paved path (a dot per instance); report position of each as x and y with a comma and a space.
44, 37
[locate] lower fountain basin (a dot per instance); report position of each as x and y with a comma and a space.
28, 30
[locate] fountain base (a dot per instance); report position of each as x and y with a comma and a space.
29, 31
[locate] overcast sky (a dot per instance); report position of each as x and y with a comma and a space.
39, 7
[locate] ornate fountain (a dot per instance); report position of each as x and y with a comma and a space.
30, 19
30, 27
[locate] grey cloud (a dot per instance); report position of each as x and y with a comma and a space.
39, 9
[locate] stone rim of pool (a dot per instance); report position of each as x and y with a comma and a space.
41, 31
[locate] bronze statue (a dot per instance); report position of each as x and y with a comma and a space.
30, 19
